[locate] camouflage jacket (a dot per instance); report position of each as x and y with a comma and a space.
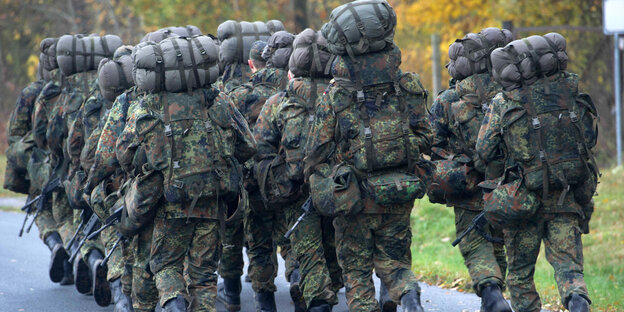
87, 119
20, 121
87, 155
151, 136
249, 98
105, 162
233, 76
44, 105
273, 132
324, 138
491, 142
456, 117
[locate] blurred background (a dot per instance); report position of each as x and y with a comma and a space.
425, 28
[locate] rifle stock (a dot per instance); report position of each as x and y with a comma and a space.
306, 207
478, 223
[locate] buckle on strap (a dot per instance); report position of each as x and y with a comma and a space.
219, 173
208, 126
573, 116
368, 134
176, 164
168, 131
542, 155
360, 96
178, 184
536, 123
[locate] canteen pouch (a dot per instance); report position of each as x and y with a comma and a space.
395, 188
335, 192
507, 201
453, 178
143, 196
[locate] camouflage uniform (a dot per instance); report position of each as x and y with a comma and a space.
313, 240
106, 169
263, 231
20, 125
379, 237
556, 225
47, 97
181, 235
233, 76
456, 117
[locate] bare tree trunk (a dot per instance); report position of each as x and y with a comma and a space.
113, 16
300, 10
72, 13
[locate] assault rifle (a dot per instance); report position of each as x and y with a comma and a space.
110, 221
478, 223
92, 223
307, 209
119, 239
39, 203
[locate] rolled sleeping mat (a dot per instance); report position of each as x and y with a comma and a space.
471, 54
176, 64
115, 75
173, 31
310, 56
524, 61
236, 38
76, 53
278, 49
47, 57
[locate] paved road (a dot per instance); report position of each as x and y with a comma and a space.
25, 286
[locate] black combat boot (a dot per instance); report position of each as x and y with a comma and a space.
177, 304
265, 301
578, 303
100, 286
295, 291
123, 303
410, 302
320, 306
82, 276
492, 299
229, 294
385, 303
68, 274
58, 257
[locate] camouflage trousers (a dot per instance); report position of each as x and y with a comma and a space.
63, 215
232, 263
196, 244
485, 261
264, 231
120, 262
144, 291
380, 242
45, 221
564, 251
314, 246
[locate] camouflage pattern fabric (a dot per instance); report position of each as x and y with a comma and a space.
556, 223
233, 76
486, 262
379, 242
379, 238
45, 222
20, 140
561, 235
20, 121
283, 127
44, 104
115, 262
152, 136
314, 246
456, 117
144, 291
264, 230
232, 263
196, 243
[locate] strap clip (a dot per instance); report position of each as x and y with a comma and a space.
573, 116
536, 123
176, 164
168, 131
360, 96
368, 134
178, 184
542, 156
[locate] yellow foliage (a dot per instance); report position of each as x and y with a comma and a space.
31, 67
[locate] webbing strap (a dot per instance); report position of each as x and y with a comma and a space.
404, 125
180, 61
207, 62
239, 41
193, 63
356, 70
160, 69
92, 56
168, 133
256, 31
536, 127
73, 56
368, 137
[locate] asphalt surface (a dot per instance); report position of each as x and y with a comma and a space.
25, 286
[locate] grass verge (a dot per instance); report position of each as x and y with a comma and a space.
434, 260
